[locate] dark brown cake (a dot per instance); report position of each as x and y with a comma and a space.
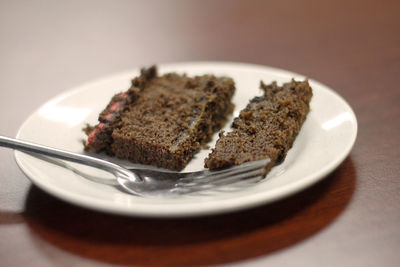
162, 120
266, 128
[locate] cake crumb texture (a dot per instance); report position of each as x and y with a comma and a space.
266, 128
162, 120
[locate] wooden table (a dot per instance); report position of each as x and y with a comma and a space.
351, 218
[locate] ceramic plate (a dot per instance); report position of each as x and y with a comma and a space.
324, 141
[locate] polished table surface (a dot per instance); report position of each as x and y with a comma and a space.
351, 218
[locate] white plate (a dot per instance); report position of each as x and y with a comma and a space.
325, 140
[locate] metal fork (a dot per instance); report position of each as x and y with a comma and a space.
148, 182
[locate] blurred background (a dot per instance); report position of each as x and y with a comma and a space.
47, 47
353, 46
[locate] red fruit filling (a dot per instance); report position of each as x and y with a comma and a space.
108, 116
92, 136
116, 106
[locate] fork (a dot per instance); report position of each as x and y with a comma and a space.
148, 182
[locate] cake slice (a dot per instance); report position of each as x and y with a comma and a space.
162, 120
266, 128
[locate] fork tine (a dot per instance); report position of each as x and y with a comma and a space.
238, 185
226, 172
230, 180
224, 178
242, 167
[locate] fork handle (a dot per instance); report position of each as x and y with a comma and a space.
61, 154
